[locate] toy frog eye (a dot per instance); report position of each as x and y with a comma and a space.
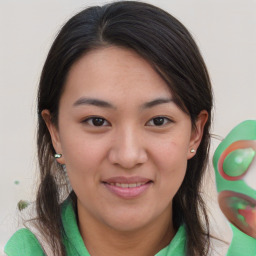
238, 161
240, 210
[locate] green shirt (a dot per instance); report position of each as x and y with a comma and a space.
24, 242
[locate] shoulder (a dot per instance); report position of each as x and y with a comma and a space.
23, 243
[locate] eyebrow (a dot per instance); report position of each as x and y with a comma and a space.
156, 102
94, 102
105, 104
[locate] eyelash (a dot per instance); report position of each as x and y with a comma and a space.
91, 119
166, 120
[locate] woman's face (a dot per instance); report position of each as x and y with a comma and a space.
124, 141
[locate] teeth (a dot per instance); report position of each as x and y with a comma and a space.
125, 185
122, 185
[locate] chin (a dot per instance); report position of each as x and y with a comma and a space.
127, 223
128, 226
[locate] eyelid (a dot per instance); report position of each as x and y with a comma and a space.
90, 118
168, 119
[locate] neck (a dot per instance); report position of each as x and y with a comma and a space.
144, 241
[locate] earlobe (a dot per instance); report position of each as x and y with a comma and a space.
197, 133
46, 115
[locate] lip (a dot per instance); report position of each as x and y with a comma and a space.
126, 180
113, 185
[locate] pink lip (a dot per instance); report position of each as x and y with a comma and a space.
126, 180
127, 192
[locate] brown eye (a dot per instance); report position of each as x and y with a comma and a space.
158, 121
96, 121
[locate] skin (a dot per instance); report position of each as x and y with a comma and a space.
128, 143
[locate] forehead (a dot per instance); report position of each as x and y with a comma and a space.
114, 72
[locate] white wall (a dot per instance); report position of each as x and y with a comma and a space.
226, 34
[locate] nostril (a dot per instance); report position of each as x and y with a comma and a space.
127, 158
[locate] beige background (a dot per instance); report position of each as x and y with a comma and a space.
225, 31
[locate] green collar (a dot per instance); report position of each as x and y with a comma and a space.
75, 245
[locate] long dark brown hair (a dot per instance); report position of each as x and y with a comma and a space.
165, 43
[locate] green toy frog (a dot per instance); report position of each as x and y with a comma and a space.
235, 168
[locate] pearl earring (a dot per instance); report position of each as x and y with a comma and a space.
192, 150
58, 156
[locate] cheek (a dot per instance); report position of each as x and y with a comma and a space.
83, 155
170, 153
171, 163
84, 158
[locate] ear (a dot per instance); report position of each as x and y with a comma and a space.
46, 115
197, 133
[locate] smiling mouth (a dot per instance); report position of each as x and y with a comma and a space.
128, 185
127, 188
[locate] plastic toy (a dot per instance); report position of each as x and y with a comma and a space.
235, 168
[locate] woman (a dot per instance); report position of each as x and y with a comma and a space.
124, 106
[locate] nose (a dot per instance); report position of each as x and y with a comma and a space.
127, 149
